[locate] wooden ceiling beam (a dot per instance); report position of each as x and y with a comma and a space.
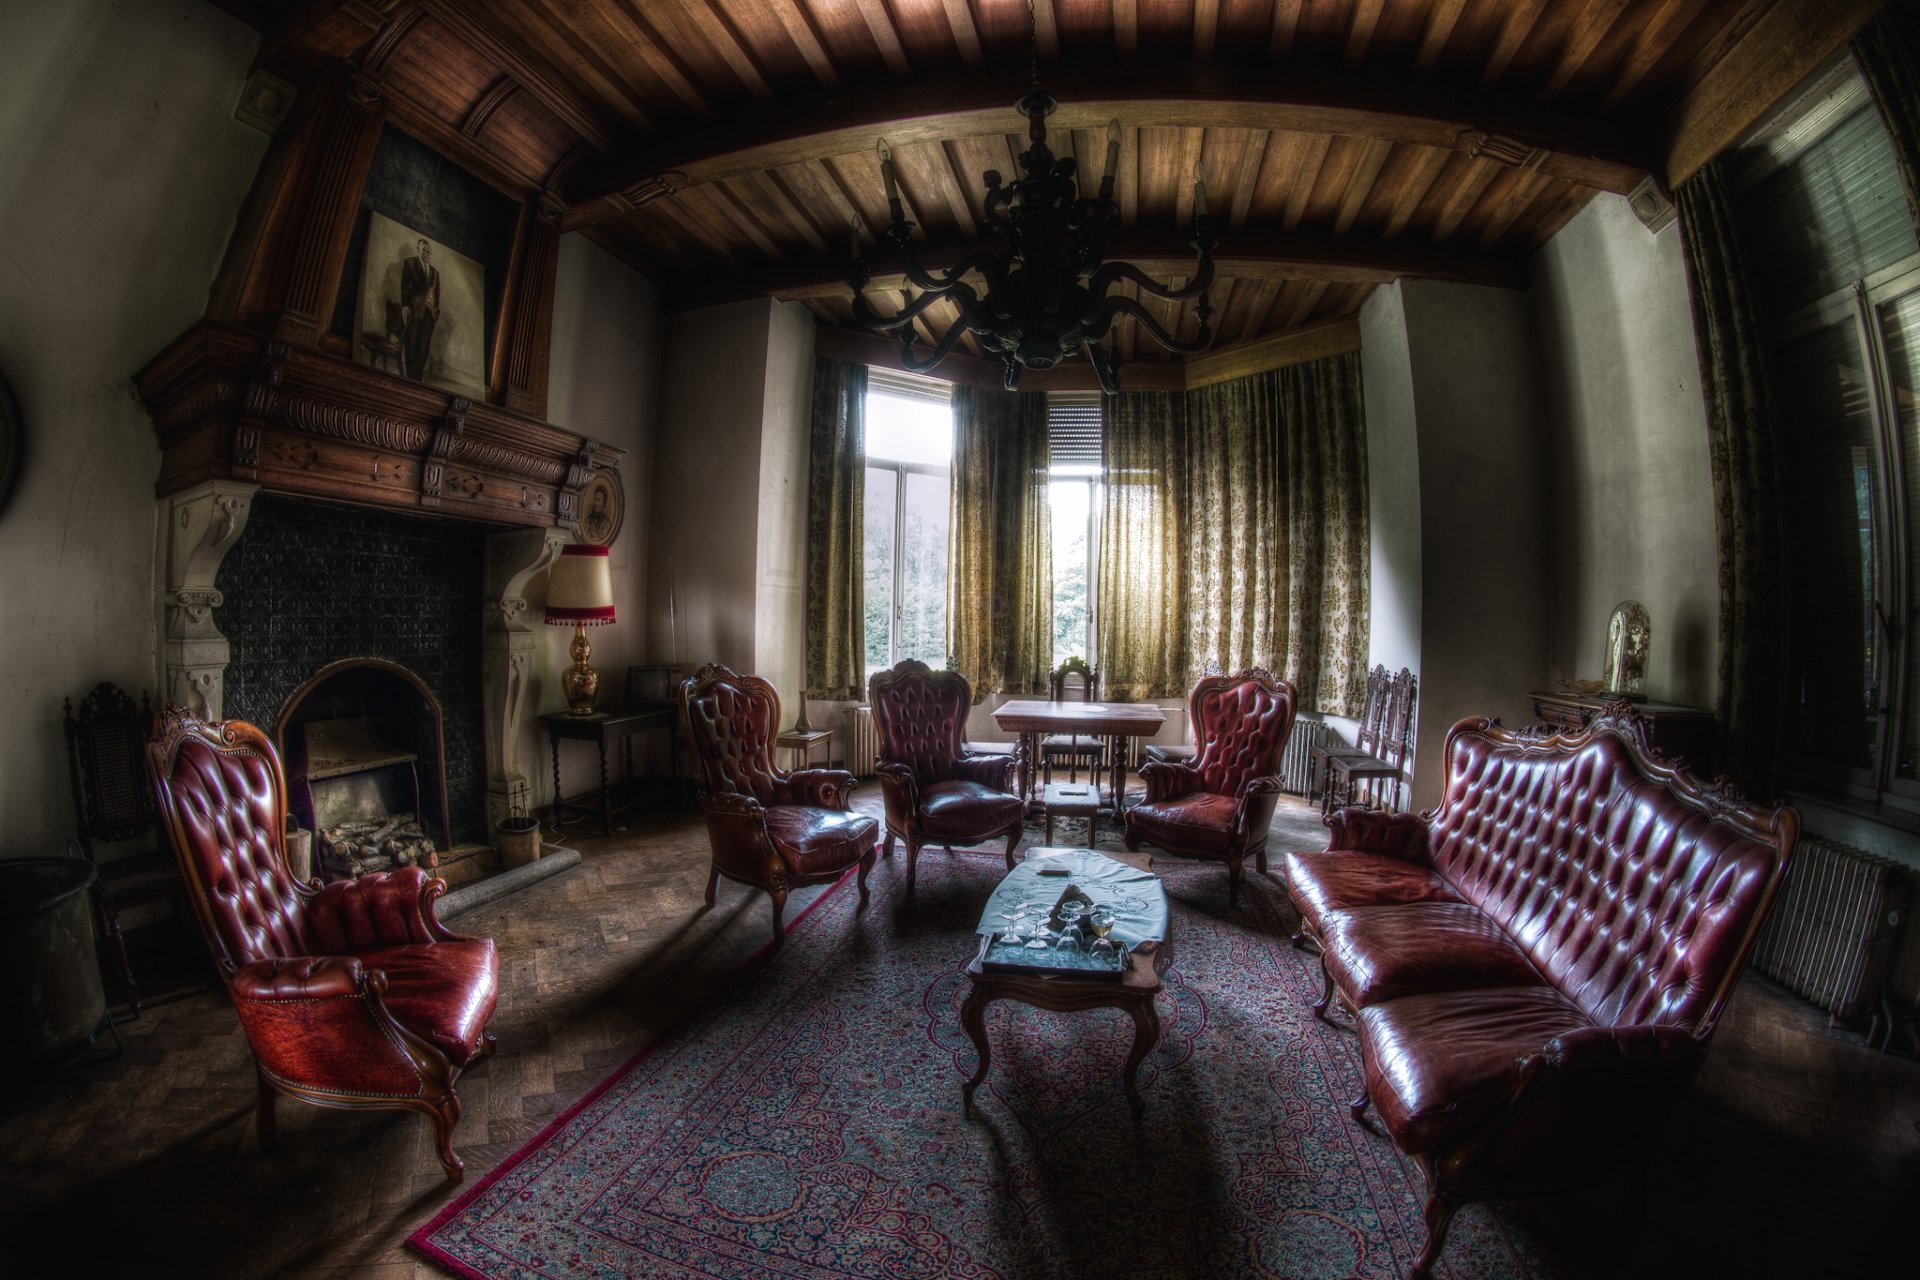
939, 109
1252, 253
1788, 43
555, 93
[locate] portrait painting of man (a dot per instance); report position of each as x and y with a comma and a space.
420, 312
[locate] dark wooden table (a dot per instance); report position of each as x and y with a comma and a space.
1133, 992
602, 728
1681, 733
1113, 721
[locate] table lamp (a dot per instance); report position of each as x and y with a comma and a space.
580, 594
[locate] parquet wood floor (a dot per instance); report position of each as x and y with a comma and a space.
1796, 1150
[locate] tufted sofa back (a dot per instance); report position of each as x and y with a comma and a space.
921, 717
1632, 888
731, 721
1241, 723
223, 796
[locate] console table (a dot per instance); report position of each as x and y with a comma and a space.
1681, 733
601, 728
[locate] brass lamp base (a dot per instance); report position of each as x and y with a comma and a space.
580, 682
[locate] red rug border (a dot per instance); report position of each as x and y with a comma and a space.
421, 1242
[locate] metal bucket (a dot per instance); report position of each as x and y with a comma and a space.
51, 1002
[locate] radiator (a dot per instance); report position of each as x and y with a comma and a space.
1832, 934
1296, 769
863, 742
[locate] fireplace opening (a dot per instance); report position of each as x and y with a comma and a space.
365, 750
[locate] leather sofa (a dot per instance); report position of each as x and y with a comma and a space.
1535, 967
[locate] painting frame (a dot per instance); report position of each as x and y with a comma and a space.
421, 313
603, 508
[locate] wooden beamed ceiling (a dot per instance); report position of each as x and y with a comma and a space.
723, 147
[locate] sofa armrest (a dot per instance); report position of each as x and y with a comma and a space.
824, 788
1258, 799
1165, 779
382, 909
299, 978
996, 770
900, 788
319, 1025
1624, 1051
1397, 835
737, 835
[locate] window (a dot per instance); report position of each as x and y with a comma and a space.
1823, 210
909, 454
1073, 475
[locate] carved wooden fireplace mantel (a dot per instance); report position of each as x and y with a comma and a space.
232, 405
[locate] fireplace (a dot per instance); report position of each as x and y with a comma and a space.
364, 746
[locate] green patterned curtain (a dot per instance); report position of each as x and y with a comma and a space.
1743, 455
1323, 480
1140, 598
836, 484
1278, 571
1888, 51
1000, 548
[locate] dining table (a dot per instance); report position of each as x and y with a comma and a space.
1111, 722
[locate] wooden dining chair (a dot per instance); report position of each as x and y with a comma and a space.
1073, 681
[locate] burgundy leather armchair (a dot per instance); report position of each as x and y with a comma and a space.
935, 792
1536, 966
767, 828
1220, 804
351, 994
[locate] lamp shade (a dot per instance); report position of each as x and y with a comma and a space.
580, 587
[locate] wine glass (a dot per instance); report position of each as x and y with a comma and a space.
1102, 921
1014, 916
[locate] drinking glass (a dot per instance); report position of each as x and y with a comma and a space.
1102, 921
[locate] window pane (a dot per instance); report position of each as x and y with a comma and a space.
1837, 213
1069, 502
1827, 431
878, 585
923, 578
916, 430
1900, 325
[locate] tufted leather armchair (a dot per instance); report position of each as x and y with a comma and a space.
351, 994
1220, 804
1536, 966
772, 830
935, 792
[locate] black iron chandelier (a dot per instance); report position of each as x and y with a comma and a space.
1049, 288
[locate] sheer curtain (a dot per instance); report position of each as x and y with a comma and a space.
836, 484
1000, 549
1140, 595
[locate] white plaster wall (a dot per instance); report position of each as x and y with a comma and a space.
1393, 483
125, 171
706, 493
781, 561
604, 382
1484, 529
1632, 494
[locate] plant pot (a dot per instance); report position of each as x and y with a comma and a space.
519, 841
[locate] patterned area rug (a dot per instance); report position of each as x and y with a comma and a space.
807, 1124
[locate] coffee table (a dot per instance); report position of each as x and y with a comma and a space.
1129, 886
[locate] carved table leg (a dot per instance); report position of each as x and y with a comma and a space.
606, 796
1146, 1034
973, 1016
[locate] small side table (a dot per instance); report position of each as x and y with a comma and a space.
802, 744
601, 728
1072, 800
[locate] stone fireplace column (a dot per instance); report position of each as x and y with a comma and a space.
203, 524
507, 644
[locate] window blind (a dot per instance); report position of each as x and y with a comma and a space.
1075, 420
909, 386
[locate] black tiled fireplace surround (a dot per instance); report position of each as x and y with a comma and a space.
311, 583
